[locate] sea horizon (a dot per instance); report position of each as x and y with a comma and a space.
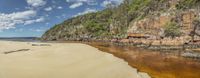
23, 39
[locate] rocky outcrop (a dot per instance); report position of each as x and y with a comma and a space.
154, 25
147, 17
150, 25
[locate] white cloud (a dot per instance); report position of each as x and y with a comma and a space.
75, 5
47, 23
48, 9
105, 3
113, 2
86, 11
59, 17
79, 0
59, 7
38, 30
41, 19
10, 20
92, 3
36, 3
88, 2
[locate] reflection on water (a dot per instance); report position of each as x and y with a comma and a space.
159, 64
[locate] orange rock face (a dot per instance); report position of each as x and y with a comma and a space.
187, 19
154, 25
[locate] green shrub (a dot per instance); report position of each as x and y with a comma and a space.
172, 29
94, 27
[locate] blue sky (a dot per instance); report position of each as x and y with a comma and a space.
31, 18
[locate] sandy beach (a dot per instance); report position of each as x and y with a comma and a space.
60, 60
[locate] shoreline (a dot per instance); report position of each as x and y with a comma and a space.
141, 44
190, 50
39, 48
128, 56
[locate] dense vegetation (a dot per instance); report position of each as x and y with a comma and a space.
114, 21
172, 29
185, 4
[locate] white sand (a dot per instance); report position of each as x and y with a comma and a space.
60, 60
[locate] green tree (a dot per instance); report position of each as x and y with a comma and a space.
94, 27
172, 29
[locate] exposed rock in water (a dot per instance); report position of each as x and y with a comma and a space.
190, 54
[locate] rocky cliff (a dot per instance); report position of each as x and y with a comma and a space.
156, 18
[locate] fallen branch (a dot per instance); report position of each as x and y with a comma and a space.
16, 51
41, 45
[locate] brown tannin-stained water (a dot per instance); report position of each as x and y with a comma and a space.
158, 64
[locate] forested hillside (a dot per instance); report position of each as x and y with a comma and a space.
166, 18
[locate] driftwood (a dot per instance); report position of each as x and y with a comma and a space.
41, 45
16, 51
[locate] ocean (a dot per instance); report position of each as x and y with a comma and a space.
21, 39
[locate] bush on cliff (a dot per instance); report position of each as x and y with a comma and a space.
113, 22
172, 29
196, 27
94, 27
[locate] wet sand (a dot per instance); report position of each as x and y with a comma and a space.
60, 60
